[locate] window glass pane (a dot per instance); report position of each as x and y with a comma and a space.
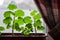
27, 6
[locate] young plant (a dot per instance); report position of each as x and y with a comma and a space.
18, 19
37, 20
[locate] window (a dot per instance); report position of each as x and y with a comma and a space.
27, 6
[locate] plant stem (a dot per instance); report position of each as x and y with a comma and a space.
35, 28
13, 27
0, 34
12, 31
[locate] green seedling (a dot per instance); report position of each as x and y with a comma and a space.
18, 19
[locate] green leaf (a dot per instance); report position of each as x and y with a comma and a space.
26, 32
27, 19
37, 23
20, 18
29, 26
16, 26
40, 27
2, 28
22, 28
20, 21
19, 13
12, 6
33, 13
37, 17
15, 21
7, 20
8, 26
7, 13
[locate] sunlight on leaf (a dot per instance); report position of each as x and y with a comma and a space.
2, 28
19, 13
12, 6
7, 20
33, 13
27, 19
37, 23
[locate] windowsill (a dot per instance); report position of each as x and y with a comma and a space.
21, 35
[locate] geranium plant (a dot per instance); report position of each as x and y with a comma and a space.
14, 18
